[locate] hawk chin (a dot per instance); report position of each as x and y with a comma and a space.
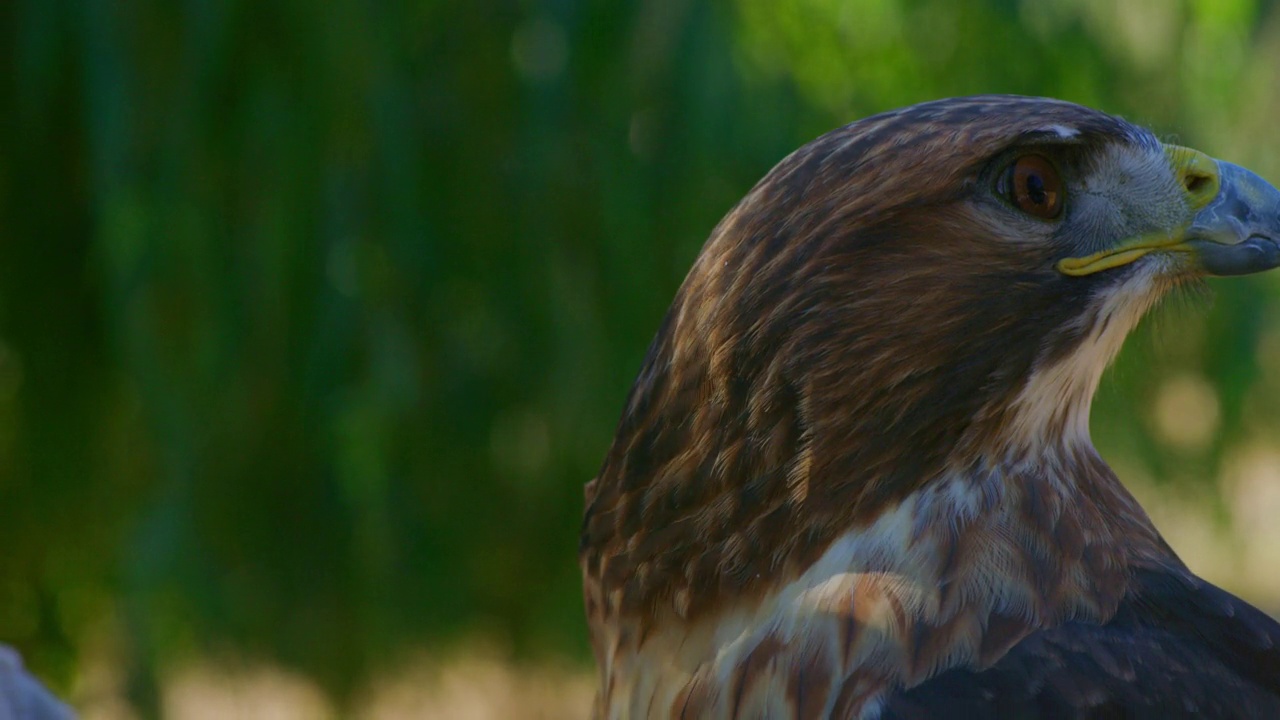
854, 476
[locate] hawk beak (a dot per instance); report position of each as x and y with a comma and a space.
1235, 229
1237, 233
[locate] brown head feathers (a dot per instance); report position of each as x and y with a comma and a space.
852, 329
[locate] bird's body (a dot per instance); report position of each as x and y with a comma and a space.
854, 478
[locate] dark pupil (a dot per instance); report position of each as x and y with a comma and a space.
1035, 189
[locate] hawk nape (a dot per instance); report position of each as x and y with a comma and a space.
854, 478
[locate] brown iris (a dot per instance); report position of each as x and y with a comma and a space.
1035, 187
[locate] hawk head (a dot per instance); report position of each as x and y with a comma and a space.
924, 295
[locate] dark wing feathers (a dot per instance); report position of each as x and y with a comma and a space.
1179, 647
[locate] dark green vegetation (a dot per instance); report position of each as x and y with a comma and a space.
315, 317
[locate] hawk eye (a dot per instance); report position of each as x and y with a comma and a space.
1034, 186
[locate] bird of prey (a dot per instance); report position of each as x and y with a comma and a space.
854, 477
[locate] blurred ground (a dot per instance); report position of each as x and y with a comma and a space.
478, 686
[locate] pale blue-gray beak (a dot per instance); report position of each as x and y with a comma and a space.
1238, 232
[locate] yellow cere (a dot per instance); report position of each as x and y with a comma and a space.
1198, 175
1197, 172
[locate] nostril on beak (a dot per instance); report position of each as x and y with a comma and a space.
1195, 183
1198, 173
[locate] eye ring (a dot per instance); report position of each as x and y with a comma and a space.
1034, 186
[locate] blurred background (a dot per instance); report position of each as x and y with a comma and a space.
315, 317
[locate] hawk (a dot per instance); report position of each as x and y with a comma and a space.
854, 477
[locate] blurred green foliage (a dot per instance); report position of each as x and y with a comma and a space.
315, 317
